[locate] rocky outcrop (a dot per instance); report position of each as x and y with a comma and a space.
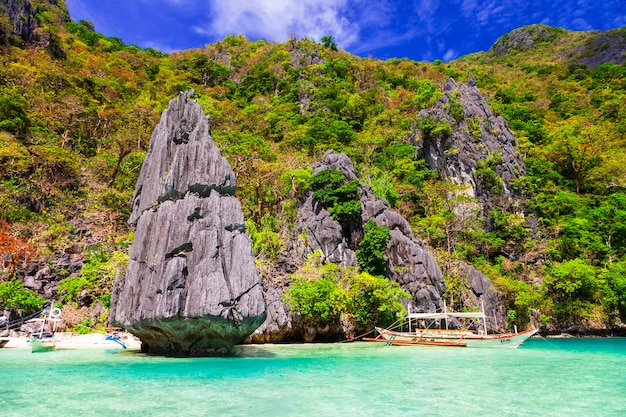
22, 16
280, 325
408, 262
301, 58
602, 47
316, 223
475, 134
473, 148
191, 287
182, 159
476, 293
592, 48
525, 38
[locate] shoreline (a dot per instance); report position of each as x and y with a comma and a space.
78, 341
69, 341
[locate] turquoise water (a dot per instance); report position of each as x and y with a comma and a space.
555, 377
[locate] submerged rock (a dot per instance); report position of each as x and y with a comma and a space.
191, 286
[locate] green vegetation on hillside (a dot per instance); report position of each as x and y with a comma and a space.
323, 293
76, 117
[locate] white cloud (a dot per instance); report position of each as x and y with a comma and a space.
277, 20
374, 14
468, 7
426, 11
450, 55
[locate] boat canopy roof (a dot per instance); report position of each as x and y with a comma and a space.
447, 314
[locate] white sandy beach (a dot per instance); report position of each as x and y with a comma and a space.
81, 341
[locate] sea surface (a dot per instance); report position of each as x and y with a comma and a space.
545, 377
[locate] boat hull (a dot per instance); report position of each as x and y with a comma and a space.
510, 340
42, 345
407, 342
453, 338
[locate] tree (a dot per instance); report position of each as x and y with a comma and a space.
133, 135
374, 300
371, 255
324, 293
573, 285
314, 293
329, 42
608, 220
577, 147
13, 251
486, 176
13, 295
615, 276
13, 118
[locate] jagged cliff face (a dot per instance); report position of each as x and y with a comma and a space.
479, 293
191, 287
408, 261
476, 135
182, 159
603, 47
23, 18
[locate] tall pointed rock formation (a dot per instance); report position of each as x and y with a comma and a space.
191, 287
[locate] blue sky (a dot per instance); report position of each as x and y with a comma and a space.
423, 30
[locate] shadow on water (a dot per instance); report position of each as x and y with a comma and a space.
239, 351
251, 351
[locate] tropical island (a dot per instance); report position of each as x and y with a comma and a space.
363, 184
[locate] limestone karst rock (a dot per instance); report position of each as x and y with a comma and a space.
408, 261
475, 293
191, 286
21, 14
24, 17
476, 135
461, 138
524, 38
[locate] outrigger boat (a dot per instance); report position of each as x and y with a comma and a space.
451, 337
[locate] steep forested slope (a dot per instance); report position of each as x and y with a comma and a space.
77, 110
563, 95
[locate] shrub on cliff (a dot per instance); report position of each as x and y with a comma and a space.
13, 295
339, 197
321, 294
96, 276
371, 255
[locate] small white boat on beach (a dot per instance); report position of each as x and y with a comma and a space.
430, 332
46, 341
42, 343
